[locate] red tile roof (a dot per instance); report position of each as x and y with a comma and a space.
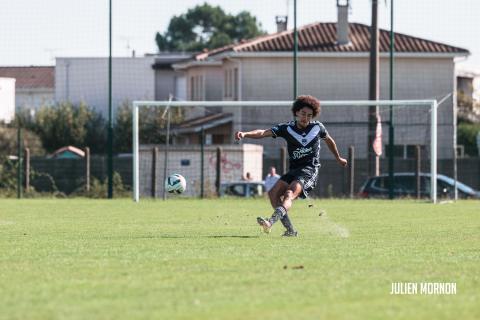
30, 77
321, 37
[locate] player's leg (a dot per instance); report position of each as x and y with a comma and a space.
294, 190
275, 194
303, 181
284, 192
276, 198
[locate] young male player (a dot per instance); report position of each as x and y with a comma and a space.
303, 142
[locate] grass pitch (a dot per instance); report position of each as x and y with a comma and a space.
207, 259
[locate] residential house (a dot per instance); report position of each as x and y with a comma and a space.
330, 68
34, 85
468, 95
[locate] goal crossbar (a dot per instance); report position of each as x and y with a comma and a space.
432, 104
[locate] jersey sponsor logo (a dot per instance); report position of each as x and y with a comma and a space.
301, 152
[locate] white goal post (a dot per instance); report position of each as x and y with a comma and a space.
432, 104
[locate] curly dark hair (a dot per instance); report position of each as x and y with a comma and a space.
306, 101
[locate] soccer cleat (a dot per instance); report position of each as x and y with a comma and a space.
290, 233
265, 224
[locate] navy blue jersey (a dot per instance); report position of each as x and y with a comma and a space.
303, 145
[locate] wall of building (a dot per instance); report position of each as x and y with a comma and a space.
34, 98
86, 79
347, 79
165, 84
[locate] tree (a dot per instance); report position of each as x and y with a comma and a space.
207, 27
152, 126
467, 136
66, 124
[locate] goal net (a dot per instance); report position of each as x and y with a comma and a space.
196, 139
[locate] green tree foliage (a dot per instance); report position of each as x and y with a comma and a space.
9, 143
209, 27
66, 124
152, 124
467, 135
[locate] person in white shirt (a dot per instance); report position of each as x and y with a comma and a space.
271, 179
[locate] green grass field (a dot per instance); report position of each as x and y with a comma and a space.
206, 259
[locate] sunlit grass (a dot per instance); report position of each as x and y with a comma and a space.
206, 259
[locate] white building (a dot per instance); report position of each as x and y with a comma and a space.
136, 78
33, 85
7, 99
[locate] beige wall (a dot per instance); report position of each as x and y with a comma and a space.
347, 79
211, 86
332, 78
236, 161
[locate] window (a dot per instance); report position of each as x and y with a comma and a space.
208, 139
231, 84
192, 88
235, 84
197, 91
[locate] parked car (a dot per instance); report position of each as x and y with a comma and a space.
405, 186
242, 188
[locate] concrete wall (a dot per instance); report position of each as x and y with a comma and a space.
86, 79
236, 161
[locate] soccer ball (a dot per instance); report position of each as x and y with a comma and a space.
175, 183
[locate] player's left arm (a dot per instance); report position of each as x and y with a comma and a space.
333, 148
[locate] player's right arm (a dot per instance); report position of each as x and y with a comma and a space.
254, 134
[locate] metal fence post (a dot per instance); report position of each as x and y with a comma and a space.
218, 180
87, 169
27, 169
351, 171
154, 171
418, 169
202, 164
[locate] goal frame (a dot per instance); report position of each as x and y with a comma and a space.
432, 104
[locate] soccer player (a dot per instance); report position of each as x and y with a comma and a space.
303, 142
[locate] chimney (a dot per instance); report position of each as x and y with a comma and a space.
342, 22
281, 23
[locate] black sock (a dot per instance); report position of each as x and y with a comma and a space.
278, 214
285, 220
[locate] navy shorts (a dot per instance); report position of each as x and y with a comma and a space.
307, 176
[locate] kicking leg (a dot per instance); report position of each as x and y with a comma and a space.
276, 193
276, 196
285, 202
294, 190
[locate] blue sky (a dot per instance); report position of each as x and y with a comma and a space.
34, 32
